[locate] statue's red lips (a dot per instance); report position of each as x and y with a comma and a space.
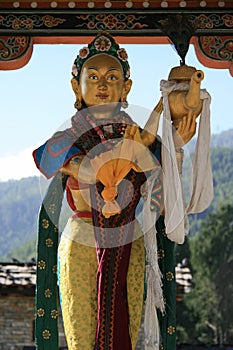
102, 95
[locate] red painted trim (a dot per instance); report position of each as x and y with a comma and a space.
86, 39
208, 62
18, 62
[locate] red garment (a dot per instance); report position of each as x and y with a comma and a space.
73, 184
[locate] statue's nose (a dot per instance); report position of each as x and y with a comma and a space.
102, 82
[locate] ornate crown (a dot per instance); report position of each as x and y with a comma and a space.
103, 43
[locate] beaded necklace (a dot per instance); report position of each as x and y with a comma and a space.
107, 129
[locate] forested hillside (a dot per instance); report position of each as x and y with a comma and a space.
222, 169
20, 202
223, 139
19, 205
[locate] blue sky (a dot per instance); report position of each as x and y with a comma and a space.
37, 99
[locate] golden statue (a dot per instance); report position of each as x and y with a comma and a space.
107, 161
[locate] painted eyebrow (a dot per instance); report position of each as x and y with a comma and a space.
109, 70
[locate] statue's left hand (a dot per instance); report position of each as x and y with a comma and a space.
185, 131
142, 158
132, 132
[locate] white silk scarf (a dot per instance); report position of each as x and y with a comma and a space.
176, 211
201, 184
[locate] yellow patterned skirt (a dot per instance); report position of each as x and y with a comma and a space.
78, 287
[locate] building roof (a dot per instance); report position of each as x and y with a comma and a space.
184, 277
17, 277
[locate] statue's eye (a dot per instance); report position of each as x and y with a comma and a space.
93, 77
112, 77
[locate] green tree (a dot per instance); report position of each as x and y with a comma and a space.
210, 302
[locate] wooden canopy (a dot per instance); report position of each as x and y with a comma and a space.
208, 24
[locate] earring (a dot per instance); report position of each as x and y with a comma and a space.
78, 104
124, 104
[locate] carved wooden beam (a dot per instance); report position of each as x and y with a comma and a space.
130, 23
23, 23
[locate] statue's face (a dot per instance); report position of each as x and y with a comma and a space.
101, 80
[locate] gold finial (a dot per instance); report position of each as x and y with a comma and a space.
181, 73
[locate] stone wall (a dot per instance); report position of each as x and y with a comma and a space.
17, 322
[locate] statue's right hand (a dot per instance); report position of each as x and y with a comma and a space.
159, 107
